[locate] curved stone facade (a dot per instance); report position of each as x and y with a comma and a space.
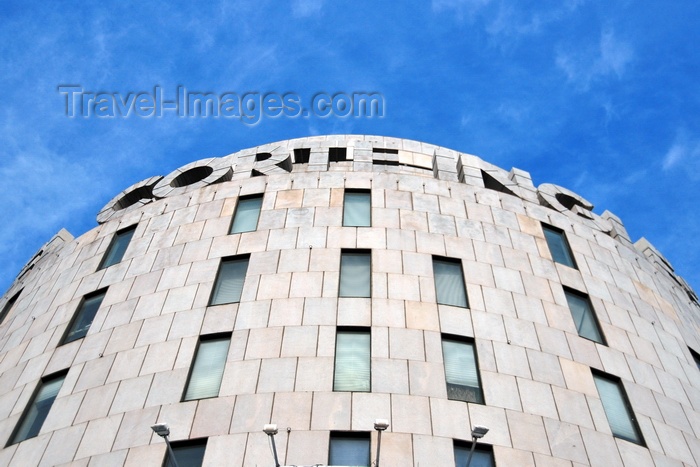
459, 258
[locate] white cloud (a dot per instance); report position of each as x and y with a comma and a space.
610, 58
685, 151
306, 8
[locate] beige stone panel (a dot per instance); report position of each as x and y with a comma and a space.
411, 414
277, 375
289, 199
553, 341
99, 436
213, 417
331, 411
406, 344
154, 330
427, 379
64, 410
264, 343
30, 451
367, 407
123, 338
131, 394
354, 311
389, 376
145, 455
450, 418
565, 441
251, 412
186, 324
135, 429
601, 448
179, 417
225, 450
396, 448
94, 373
527, 432
428, 450
314, 374
399, 239
423, 316
500, 390
167, 387
62, 446
511, 360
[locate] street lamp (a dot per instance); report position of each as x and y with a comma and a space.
162, 430
380, 425
271, 430
477, 432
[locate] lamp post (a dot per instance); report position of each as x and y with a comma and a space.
477, 432
271, 430
380, 425
162, 430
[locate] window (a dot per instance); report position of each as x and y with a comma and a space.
337, 154
247, 213
349, 449
482, 457
82, 320
355, 273
617, 408
207, 367
8, 306
694, 354
461, 370
302, 155
449, 282
558, 246
188, 453
117, 247
584, 317
357, 208
34, 415
229, 282
352, 360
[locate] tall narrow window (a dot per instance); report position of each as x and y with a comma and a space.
584, 317
617, 408
696, 357
355, 273
34, 415
357, 208
82, 320
207, 368
482, 457
247, 213
349, 448
352, 360
461, 370
117, 247
558, 246
8, 306
449, 282
337, 154
189, 453
229, 282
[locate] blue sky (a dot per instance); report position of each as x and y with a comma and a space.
599, 97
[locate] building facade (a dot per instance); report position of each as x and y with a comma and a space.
323, 283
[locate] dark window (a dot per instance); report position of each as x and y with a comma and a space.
229, 282
82, 320
449, 282
558, 246
357, 208
207, 367
461, 370
117, 247
188, 453
247, 213
696, 357
301, 156
355, 273
337, 154
583, 315
34, 415
8, 306
349, 449
618, 410
482, 457
385, 150
352, 360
